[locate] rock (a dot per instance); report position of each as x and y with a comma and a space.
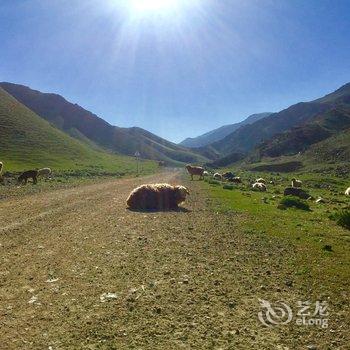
312, 347
107, 297
298, 192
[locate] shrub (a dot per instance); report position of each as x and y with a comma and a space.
342, 218
214, 182
293, 202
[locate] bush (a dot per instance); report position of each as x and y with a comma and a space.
293, 202
214, 182
342, 218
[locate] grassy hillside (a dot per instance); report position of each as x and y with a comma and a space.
89, 128
28, 141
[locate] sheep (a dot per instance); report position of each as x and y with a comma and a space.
195, 170
217, 176
27, 175
205, 173
236, 180
228, 175
259, 186
260, 180
46, 172
347, 192
296, 183
157, 197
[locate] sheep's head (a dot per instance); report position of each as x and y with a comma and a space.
181, 193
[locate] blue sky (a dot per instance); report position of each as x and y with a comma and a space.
182, 71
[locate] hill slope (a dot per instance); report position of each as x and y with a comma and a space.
300, 138
292, 130
220, 133
88, 127
26, 141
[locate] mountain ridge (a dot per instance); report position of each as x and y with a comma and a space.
87, 126
221, 132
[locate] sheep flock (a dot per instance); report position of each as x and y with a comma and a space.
23, 178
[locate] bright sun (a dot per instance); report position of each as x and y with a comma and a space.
152, 6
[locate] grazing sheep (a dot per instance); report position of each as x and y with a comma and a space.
294, 191
195, 170
236, 180
260, 180
157, 197
347, 192
259, 186
320, 200
217, 176
29, 174
205, 173
296, 183
228, 175
46, 172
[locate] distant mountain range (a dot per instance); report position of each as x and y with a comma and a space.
220, 133
30, 119
291, 130
96, 132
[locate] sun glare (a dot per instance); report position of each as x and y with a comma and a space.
152, 6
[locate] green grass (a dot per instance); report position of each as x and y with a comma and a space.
342, 218
27, 141
305, 232
294, 202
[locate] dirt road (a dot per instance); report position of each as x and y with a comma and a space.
79, 271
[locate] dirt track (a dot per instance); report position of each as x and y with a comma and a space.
180, 280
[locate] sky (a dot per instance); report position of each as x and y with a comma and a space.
178, 70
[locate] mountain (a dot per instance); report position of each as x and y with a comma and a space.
300, 138
93, 130
220, 133
28, 141
291, 130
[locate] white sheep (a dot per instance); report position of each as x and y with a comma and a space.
217, 176
296, 183
205, 173
1, 167
45, 172
347, 192
259, 186
260, 180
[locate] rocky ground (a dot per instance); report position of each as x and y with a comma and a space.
80, 271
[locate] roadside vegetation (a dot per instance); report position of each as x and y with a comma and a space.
317, 239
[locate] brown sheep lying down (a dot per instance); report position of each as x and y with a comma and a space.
157, 197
